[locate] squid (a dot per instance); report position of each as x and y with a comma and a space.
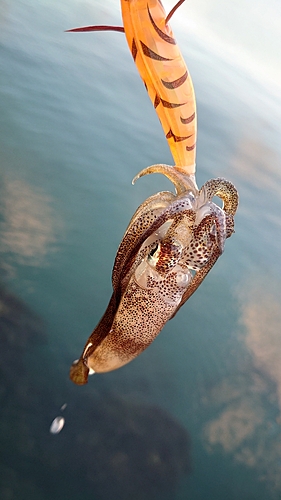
173, 239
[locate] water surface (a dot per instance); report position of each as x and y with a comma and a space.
75, 127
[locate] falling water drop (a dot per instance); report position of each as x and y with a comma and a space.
57, 425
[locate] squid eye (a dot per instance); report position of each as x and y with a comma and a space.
153, 250
153, 255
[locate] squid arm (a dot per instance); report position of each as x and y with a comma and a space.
198, 278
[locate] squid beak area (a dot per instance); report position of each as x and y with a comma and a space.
79, 372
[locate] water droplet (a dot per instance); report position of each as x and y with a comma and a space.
57, 425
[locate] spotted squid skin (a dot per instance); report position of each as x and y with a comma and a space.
169, 247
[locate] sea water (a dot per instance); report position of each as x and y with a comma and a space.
76, 125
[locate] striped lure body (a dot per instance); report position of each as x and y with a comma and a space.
173, 240
165, 75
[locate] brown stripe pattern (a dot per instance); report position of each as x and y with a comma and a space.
190, 148
190, 119
170, 135
171, 105
176, 83
134, 49
162, 35
153, 55
157, 101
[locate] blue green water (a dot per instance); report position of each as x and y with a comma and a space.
76, 125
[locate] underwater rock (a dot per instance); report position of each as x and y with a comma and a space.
20, 330
110, 447
19, 325
124, 450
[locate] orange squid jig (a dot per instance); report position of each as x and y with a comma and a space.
173, 240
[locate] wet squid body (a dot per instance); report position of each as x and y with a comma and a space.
173, 239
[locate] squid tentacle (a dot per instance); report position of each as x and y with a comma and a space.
181, 181
197, 279
225, 190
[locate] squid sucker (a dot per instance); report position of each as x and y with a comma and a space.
173, 239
